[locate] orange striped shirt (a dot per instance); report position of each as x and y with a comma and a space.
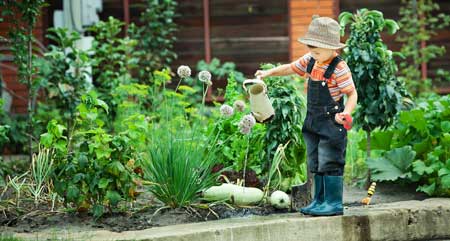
340, 82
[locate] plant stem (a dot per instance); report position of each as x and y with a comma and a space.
246, 155
178, 85
30, 92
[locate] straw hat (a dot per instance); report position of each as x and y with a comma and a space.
323, 32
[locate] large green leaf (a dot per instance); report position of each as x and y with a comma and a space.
445, 125
113, 197
381, 140
445, 181
421, 168
428, 189
393, 165
415, 118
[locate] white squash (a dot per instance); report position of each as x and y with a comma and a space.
234, 194
220, 193
247, 195
280, 200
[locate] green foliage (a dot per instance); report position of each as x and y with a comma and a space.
156, 36
22, 41
356, 168
233, 147
94, 169
424, 133
219, 71
4, 129
374, 71
180, 163
286, 128
113, 59
15, 127
420, 21
62, 74
393, 165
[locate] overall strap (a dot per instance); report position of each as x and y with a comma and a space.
310, 66
332, 67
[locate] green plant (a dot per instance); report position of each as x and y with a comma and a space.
62, 73
94, 169
356, 167
22, 40
285, 128
420, 21
17, 185
41, 169
156, 36
421, 147
179, 164
17, 133
5, 237
3, 127
114, 58
235, 148
220, 71
380, 92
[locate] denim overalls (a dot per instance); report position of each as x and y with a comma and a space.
326, 140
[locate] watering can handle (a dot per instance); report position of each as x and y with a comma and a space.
254, 81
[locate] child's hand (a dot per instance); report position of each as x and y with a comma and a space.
339, 117
344, 119
262, 73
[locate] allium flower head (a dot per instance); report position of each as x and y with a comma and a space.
246, 124
226, 110
184, 71
239, 105
205, 77
248, 120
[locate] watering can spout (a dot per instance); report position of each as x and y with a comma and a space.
260, 104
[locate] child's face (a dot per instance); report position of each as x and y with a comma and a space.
321, 55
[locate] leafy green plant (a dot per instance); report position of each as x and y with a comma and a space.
22, 42
3, 128
62, 73
420, 21
380, 92
220, 71
156, 36
421, 147
179, 164
285, 128
94, 169
393, 164
235, 148
114, 58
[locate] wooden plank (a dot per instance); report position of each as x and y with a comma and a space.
302, 4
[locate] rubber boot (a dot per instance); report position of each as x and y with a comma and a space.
332, 204
318, 194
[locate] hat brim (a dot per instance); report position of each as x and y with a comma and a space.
320, 44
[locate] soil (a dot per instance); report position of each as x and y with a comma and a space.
142, 217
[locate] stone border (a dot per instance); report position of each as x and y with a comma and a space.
409, 220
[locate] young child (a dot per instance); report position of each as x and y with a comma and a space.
329, 78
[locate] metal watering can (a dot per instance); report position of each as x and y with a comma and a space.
260, 104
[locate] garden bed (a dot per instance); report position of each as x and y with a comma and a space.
142, 218
144, 215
